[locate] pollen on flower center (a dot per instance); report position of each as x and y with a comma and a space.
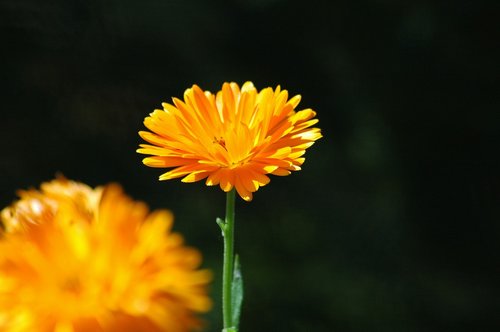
220, 141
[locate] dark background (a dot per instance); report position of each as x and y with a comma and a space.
393, 223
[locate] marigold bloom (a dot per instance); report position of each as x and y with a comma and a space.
77, 259
234, 138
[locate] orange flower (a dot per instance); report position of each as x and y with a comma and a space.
77, 259
234, 138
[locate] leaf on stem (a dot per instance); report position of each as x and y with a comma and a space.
222, 225
237, 292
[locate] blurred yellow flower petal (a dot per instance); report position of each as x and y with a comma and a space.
74, 258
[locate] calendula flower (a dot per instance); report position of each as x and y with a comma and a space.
78, 259
234, 138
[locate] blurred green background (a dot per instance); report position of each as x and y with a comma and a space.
393, 223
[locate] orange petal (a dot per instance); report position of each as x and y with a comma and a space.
242, 191
226, 179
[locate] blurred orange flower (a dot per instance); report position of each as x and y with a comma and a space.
233, 138
74, 258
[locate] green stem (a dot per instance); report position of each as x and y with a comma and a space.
227, 270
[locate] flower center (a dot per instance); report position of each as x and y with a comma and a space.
220, 140
72, 285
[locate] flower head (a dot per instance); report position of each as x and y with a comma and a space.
234, 138
73, 259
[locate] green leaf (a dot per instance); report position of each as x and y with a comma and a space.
222, 225
230, 329
237, 293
